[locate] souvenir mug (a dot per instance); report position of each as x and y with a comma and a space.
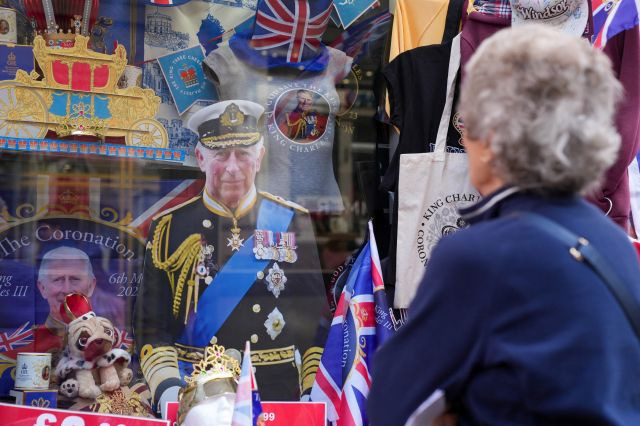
33, 370
8, 27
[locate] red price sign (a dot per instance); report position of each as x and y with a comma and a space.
294, 413
20, 415
171, 412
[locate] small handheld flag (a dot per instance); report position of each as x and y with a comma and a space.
247, 408
361, 323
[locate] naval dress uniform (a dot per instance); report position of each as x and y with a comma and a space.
213, 275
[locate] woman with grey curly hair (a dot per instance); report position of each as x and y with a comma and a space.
545, 109
510, 322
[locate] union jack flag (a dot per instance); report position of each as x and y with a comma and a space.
611, 17
22, 336
179, 193
295, 24
361, 323
124, 340
355, 40
247, 408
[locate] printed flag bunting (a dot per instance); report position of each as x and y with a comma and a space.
611, 17
184, 75
295, 24
350, 10
361, 323
355, 41
124, 340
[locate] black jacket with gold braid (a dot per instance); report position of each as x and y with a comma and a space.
285, 357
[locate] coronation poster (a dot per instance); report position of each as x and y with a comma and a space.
61, 235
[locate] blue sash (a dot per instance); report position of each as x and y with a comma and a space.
233, 281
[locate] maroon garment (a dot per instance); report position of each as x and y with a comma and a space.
624, 52
476, 28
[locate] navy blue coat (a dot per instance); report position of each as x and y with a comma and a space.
513, 329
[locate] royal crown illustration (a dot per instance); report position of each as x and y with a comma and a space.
60, 38
188, 76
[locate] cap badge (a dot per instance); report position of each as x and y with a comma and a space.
232, 116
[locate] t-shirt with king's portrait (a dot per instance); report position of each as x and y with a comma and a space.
299, 125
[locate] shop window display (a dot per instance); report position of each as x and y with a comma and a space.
187, 183
189, 208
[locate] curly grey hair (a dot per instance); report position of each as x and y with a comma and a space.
545, 102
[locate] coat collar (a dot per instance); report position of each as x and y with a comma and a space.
245, 205
509, 199
488, 206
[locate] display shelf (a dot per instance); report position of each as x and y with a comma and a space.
92, 148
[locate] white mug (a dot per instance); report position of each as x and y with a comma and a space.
8, 27
33, 370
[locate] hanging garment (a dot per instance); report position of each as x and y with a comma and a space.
300, 113
431, 188
418, 23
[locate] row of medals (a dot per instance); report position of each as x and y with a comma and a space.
205, 265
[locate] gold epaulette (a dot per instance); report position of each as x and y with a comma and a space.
174, 208
310, 363
280, 200
158, 364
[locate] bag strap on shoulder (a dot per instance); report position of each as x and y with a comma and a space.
583, 252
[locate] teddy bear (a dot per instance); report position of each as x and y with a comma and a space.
89, 365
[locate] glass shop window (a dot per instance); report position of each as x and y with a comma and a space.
196, 173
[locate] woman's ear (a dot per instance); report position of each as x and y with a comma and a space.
487, 154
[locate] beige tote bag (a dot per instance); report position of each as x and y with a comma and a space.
431, 188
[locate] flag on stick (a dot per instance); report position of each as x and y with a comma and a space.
247, 409
361, 323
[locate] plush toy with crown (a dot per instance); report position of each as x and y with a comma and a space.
90, 365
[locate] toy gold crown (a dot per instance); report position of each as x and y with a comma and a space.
216, 364
216, 374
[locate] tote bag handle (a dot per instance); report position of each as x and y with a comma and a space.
443, 128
